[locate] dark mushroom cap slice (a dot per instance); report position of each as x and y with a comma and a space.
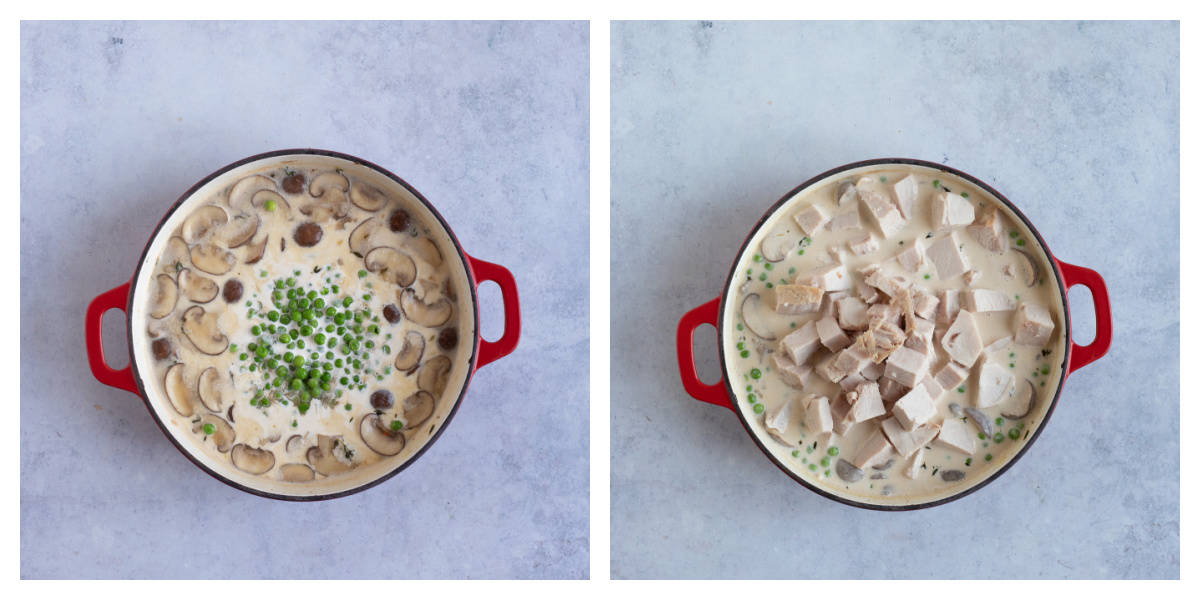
417, 409
223, 434
179, 394
409, 357
255, 250
196, 287
379, 437
163, 295
254, 461
752, 307
428, 315
1027, 397
213, 389
203, 221
392, 265
296, 473
239, 230
242, 193
212, 259
201, 330
367, 197
322, 457
425, 250
433, 375
174, 256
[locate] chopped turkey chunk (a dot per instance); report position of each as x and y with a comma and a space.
914, 408
792, 374
852, 381
950, 210
777, 420
846, 221
1033, 324
800, 344
831, 278
911, 257
832, 336
885, 313
905, 441
985, 301
817, 416
913, 468
998, 345
840, 411
881, 339
921, 337
847, 361
905, 193
851, 314
925, 304
828, 309
873, 371
951, 375
961, 340
887, 217
946, 257
948, 305
863, 244
865, 402
956, 435
988, 230
810, 219
845, 194
932, 387
797, 299
891, 390
994, 381
888, 284
866, 292
874, 451
906, 366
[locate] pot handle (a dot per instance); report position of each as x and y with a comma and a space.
1082, 356
715, 393
93, 330
486, 271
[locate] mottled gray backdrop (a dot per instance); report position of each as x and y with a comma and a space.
1078, 123
487, 120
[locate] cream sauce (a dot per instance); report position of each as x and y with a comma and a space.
814, 456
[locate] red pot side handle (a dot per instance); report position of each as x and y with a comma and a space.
93, 327
1082, 356
704, 314
486, 271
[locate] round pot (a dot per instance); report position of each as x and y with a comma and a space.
465, 271
718, 312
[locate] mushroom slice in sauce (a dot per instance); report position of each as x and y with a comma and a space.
255, 250
428, 315
1028, 268
322, 458
179, 394
379, 437
293, 444
206, 219
163, 296
212, 259
242, 194
240, 229
367, 197
213, 389
410, 352
196, 287
778, 243
361, 235
282, 209
980, 419
392, 265
752, 316
334, 185
201, 330
173, 257
223, 434
419, 407
1027, 397
297, 473
254, 461
425, 250
433, 375
848, 472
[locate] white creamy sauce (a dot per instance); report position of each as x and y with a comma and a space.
248, 412
937, 469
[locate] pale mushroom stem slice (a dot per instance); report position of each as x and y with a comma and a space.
427, 315
379, 437
254, 461
409, 357
179, 394
163, 296
392, 265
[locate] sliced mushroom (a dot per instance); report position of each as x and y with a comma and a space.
379, 437
239, 230
322, 457
980, 419
196, 287
368, 198
433, 375
1030, 272
885, 466
330, 187
953, 475
392, 265
255, 250
419, 406
223, 434
848, 472
178, 393
205, 220
161, 348
425, 250
293, 444
212, 259
297, 473
360, 237
254, 461
1027, 397
229, 414
174, 255
201, 330
163, 296
778, 243
213, 389
282, 209
242, 194
409, 357
752, 316
429, 315
957, 410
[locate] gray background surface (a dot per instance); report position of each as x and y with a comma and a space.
488, 120
1077, 123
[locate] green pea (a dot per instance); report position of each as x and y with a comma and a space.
1014, 433
285, 339
296, 384
825, 461
999, 420
755, 373
745, 353
243, 356
988, 457
319, 338
344, 380
758, 409
291, 281
832, 451
209, 429
795, 453
982, 436
999, 437
752, 398
306, 331
812, 466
